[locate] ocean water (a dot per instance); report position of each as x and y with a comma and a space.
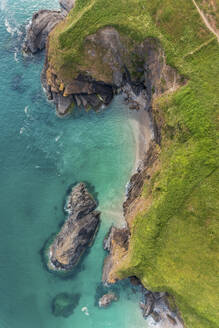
41, 155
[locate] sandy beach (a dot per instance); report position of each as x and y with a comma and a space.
143, 133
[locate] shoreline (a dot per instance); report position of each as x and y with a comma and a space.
142, 129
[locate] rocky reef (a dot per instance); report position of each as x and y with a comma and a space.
78, 231
63, 304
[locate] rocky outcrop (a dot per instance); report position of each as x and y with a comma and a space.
157, 306
82, 92
107, 299
42, 24
38, 30
111, 68
78, 231
120, 237
135, 185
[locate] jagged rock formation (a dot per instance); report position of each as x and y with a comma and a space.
42, 24
38, 30
78, 231
158, 307
92, 88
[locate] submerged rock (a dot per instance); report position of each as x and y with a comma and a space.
63, 304
107, 299
78, 231
37, 32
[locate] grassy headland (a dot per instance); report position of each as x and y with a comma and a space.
174, 244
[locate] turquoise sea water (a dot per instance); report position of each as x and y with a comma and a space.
40, 157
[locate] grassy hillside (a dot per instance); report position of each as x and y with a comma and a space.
174, 245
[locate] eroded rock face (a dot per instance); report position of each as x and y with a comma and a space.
110, 69
121, 238
156, 307
78, 231
37, 32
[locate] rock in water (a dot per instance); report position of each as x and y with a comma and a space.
37, 32
78, 231
107, 299
63, 304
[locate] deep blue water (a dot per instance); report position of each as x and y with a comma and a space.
41, 155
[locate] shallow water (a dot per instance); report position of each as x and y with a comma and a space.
40, 157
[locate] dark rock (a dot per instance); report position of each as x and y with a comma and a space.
148, 306
107, 299
93, 101
78, 231
171, 319
121, 237
135, 281
63, 104
66, 6
155, 315
63, 304
37, 32
135, 185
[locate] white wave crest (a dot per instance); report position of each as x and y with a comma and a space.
26, 110
57, 138
85, 310
22, 130
15, 57
11, 30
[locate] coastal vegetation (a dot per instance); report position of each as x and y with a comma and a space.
174, 242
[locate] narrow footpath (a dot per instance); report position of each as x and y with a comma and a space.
205, 20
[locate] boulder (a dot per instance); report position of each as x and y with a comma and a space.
78, 231
107, 299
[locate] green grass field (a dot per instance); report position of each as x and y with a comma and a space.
174, 245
